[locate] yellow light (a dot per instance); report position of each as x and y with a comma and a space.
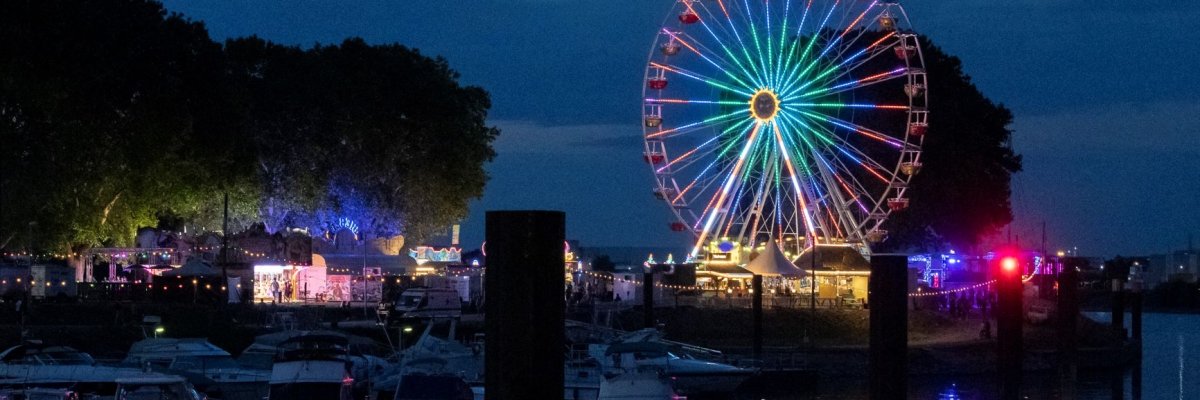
764, 105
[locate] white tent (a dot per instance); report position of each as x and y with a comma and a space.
193, 268
772, 262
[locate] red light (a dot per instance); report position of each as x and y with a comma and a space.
1009, 264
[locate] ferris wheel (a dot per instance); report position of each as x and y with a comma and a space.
798, 122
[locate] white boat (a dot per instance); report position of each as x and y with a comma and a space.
646, 350
58, 369
312, 367
366, 370
155, 387
431, 357
37, 353
208, 367
38, 394
639, 384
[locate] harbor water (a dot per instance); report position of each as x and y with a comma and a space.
1170, 369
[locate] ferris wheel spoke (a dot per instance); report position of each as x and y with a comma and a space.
804, 56
846, 66
862, 130
785, 61
725, 188
818, 180
696, 126
862, 31
655, 100
840, 147
700, 78
762, 64
850, 27
853, 85
800, 190
724, 66
823, 178
690, 153
749, 70
703, 178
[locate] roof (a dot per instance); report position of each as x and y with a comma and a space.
724, 269
389, 263
193, 267
837, 258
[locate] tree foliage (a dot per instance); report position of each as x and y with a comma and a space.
962, 193
114, 114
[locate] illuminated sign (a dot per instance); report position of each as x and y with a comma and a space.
724, 251
424, 254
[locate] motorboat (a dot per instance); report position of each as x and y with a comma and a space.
365, 369
58, 369
37, 353
431, 357
211, 369
155, 387
442, 387
312, 367
38, 394
639, 384
647, 350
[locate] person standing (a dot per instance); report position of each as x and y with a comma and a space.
275, 290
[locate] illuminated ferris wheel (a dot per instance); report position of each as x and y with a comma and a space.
798, 122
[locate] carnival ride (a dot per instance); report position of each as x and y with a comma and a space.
799, 122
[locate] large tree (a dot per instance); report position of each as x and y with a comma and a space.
380, 134
112, 112
962, 193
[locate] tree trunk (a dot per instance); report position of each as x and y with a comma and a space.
108, 208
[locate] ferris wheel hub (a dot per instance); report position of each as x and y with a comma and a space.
764, 105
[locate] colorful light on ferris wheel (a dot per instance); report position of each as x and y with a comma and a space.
767, 129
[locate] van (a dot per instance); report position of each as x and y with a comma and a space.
425, 302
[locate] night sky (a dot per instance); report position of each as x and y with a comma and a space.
1105, 95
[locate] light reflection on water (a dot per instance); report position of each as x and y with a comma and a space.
1167, 372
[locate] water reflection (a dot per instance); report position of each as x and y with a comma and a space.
1163, 374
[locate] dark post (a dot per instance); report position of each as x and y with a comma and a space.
1118, 310
887, 293
648, 300
225, 244
1068, 316
1135, 309
524, 305
757, 286
1008, 326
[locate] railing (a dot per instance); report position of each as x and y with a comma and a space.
747, 301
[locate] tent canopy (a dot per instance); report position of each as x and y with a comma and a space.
772, 262
193, 268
